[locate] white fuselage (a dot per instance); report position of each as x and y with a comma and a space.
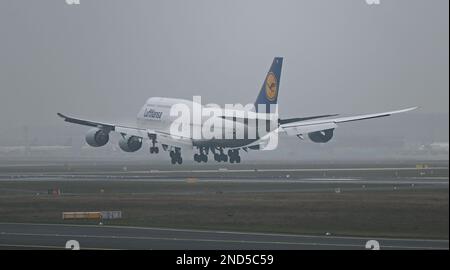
202, 122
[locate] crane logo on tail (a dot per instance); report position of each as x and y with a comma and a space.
271, 86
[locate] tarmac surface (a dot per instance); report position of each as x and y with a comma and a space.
243, 178
55, 236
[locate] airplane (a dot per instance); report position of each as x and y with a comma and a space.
156, 120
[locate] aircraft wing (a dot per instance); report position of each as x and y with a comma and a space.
303, 127
162, 137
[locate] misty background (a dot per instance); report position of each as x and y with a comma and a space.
102, 59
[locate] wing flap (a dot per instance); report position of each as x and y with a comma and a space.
138, 132
371, 116
303, 127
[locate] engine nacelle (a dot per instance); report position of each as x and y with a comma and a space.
97, 137
130, 143
322, 136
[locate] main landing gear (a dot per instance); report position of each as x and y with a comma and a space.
175, 156
202, 156
219, 157
234, 156
153, 149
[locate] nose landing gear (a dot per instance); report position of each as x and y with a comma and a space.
153, 149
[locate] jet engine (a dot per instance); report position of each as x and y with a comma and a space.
97, 137
130, 143
322, 136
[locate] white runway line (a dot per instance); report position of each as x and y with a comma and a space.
327, 241
75, 236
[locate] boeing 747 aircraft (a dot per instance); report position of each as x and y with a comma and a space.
221, 132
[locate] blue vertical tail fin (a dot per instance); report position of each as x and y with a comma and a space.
268, 95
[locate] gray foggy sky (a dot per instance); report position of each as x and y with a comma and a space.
103, 58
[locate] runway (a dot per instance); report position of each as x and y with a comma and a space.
406, 202
235, 180
207, 185
55, 236
381, 174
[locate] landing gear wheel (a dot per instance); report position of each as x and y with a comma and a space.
202, 156
176, 157
224, 157
233, 156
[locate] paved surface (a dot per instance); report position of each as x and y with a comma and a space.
243, 178
54, 236
177, 186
